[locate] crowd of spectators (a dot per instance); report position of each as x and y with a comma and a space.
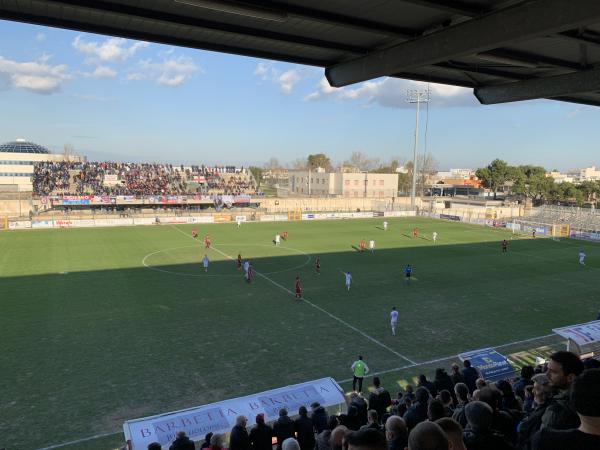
553, 406
138, 179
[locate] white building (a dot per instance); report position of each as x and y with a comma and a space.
17, 159
321, 183
576, 175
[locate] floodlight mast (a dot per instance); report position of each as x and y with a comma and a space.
418, 97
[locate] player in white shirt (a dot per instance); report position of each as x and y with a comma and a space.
205, 263
385, 225
582, 258
372, 245
434, 236
246, 267
239, 222
394, 320
348, 280
277, 239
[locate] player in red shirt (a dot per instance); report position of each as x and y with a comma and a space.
284, 235
239, 262
362, 245
194, 233
318, 265
415, 232
298, 288
206, 241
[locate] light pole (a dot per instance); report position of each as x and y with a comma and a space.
418, 97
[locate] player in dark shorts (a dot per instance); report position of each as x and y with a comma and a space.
239, 262
408, 273
533, 233
504, 246
415, 232
298, 288
194, 233
284, 235
250, 274
318, 266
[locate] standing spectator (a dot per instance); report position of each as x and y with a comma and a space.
261, 435
424, 382
359, 370
435, 410
429, 436
379, 399
446, 400
290, 444
523, 381
585, 396
305, 433
216, 442
470, 375
396, 433
462, 395
319, 417
239, 439
454, 433
456, 375
563, 368
417, 413
182, 442
502, 422
323, 437
359, 402
541, 393
283, 428
479, 434
442, 380
206, 442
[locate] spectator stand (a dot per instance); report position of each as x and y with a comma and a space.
582, 339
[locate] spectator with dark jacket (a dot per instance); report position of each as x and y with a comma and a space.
417, 413
470, 375
322, 441
462, 396
182, 442
206, 442
456, 376
443, 381
379, 399
359, 402
479, 434
238, 438
283, 428
261, 435
396, 433
502, 422
319, 417
424, 382
305, 434
541, 393
524, 381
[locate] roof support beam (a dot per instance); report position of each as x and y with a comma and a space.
452, 6
497, 29
557, 86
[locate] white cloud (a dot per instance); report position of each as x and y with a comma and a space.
40, 37
286, 81
35, 76
103, 72
391, 92
171, 71
111, 50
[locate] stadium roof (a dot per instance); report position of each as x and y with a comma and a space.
22, 146
507, 50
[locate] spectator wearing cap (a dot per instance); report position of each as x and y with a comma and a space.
479, 434
322, 441
319, 417
305, 433
418, 411
182, 442
261, 435
585, 396
470, 375
427, 436
462, 396
563, 368
454, 433
366, 439
540, 393
238, 438
283, 428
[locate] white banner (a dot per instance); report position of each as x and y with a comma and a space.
240, 218
220, 417
144, 221
173, 219
111, 180
41, 224
399, 213
113, 222
581, 334
202, 219
19, 224
267, 218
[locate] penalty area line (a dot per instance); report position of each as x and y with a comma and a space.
324, 311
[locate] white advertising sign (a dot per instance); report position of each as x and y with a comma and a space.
582, 334
19, 224
220, 417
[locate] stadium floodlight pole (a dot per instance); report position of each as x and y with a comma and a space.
418, 97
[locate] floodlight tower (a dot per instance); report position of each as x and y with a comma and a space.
418, 97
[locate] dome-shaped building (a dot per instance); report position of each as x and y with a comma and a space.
23, 146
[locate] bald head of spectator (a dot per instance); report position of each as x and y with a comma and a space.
336, 440
396, 432
427, 436
454, 433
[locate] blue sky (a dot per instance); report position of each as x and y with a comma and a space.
133, 101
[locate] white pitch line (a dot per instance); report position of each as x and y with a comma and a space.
79, 441
343, 322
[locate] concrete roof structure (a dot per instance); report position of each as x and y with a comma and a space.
507, 50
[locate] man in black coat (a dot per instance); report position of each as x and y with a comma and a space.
305, 433
182, 442
319, 417
283, 428
261, 436
239, 439
417, 413
470, 375
479, 434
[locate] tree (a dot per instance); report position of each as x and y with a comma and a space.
495, 175
257, 172
360, 161
299, 164
531, 182
319, 160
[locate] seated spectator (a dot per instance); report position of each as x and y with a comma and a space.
410, 393
182, 442
454, 433
462, 395
238, 438
427, 436
261, 435
304, 430
418, 411
435, 410
502, 422
479, 434
540, 394
563, 368
510, 403
456, 376
372, 421
585, 396
322, 441
470, 375
424, 382
283, 428
396, 433
366, 439
336, 441
523, 381
319, 417
446, 399
154, 446
480, 383
290, 444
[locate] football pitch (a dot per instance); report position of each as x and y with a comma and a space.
98, 326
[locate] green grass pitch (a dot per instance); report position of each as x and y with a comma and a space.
102, 325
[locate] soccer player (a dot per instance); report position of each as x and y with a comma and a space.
318, 266
434, 237
348, 280
298, 288
359, 370
239, 262
533, 233
284, 235
362, 245
415, 232
239, 222
206, 241
394, 320
504, 246
246, 268
408, 273
385, 225
277, 239
250, 273
194, 233
205, 263
372, 245
582, 258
